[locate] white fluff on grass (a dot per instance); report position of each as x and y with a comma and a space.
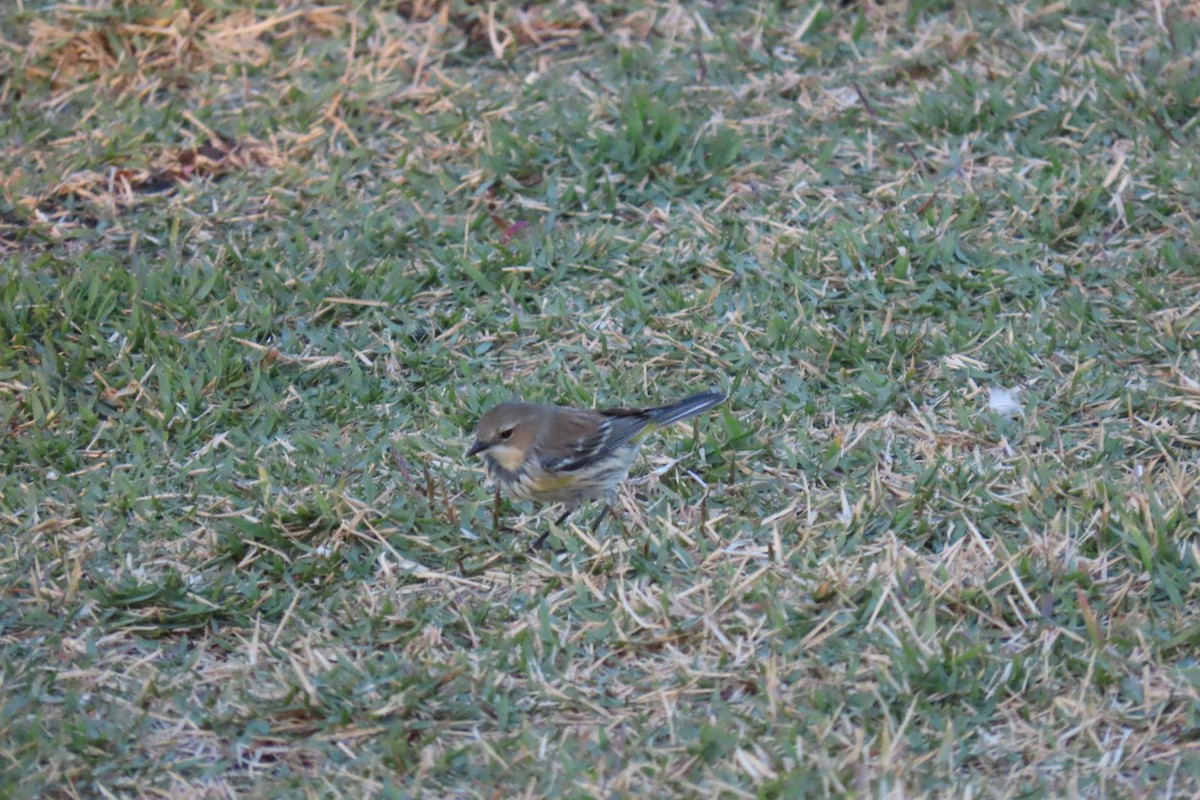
1005, 402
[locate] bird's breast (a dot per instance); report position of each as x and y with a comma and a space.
530, 482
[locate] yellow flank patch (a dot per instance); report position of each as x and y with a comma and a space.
550, 483
643, 433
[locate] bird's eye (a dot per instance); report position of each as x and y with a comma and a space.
506, 433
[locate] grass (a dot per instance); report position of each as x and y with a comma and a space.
263, 266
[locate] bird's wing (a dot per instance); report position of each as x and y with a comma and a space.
580, 437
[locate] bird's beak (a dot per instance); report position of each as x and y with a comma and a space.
477, 447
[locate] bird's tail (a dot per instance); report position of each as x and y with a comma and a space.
688, 407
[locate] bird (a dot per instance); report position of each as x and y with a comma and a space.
559, 454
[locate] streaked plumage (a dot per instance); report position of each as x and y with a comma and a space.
555, 454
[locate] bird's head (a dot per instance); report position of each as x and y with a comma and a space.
506, 432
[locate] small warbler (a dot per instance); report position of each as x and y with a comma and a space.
554, 454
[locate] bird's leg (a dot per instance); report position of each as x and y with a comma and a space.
541, 540
604, 512
610, 509
619, 519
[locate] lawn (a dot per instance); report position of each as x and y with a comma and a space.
263, 265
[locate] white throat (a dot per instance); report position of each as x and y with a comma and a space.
507, 456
